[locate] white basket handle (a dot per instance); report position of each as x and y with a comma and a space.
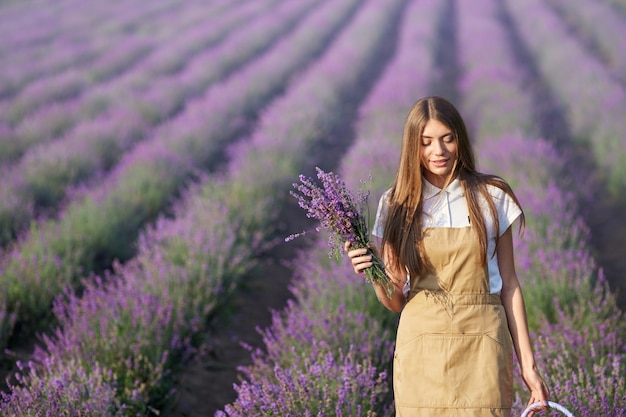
551, 405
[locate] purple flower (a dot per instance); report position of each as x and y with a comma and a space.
342, 213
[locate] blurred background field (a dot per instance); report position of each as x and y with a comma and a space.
147, 151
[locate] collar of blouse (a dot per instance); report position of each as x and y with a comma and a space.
430, 191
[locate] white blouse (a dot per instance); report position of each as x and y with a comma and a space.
449, 209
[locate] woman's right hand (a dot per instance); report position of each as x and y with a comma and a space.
361, 258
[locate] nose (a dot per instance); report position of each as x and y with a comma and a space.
439, 147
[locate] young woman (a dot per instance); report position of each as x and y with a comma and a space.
447, 244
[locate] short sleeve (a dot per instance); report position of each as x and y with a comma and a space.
508, 210
381, 216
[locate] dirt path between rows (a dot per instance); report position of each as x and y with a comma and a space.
206, 385
607, 221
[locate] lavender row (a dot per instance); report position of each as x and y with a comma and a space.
74, 80
74, 23
180, 259
102, 224
176, 61
40, 179
77, 52
84, 46
40, 24
593, 101
67, 19
606, 40
186, 33
335, 340
110, 55
82, 63
563, 288
81, 48
69, 23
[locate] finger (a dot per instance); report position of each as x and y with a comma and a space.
542, 398
532, 401
362, 262
544, 407
360, 258
355, 253
360, 269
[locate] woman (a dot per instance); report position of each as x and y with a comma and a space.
447, 245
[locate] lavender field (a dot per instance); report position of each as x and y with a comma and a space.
147, 151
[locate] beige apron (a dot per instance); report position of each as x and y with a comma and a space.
453, 352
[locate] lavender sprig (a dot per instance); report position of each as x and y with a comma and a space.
342, 214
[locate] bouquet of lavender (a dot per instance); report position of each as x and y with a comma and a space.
342, 214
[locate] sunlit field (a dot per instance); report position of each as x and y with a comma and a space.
147, 151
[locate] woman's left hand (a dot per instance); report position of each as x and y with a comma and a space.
538, 390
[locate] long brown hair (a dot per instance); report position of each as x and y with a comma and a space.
403, 232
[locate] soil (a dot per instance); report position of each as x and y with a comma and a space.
206, 385
608, 237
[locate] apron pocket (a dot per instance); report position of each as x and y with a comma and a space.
453, 370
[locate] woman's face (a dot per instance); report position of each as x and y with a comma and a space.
438, 152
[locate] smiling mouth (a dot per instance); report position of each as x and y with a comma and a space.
440, 162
